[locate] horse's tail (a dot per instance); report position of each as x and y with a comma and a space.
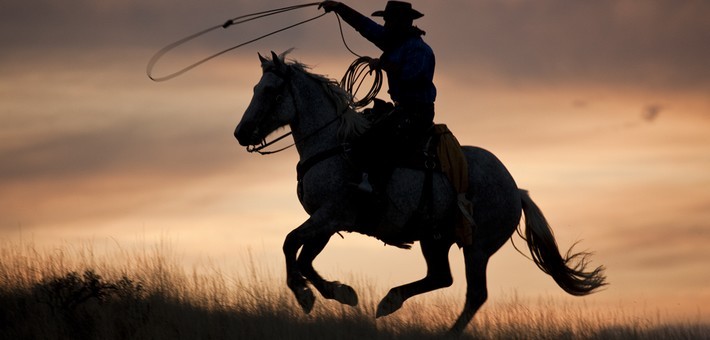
570, 272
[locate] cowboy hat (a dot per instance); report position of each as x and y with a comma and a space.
398, 8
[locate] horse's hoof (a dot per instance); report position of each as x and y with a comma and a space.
344, 294
305, 298
390, 304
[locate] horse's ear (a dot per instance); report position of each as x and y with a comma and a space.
279, 65
275, 59
262, 59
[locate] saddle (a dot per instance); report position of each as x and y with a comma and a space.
443, 150
439, 151
454, 165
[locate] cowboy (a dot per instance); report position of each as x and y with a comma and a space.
409, 64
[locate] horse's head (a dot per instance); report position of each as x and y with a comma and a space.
272, 105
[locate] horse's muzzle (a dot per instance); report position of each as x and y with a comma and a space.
246, 135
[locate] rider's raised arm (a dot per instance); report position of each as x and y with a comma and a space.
367, 27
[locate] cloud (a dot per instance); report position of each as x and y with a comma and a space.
98, 139
651, 112
655, 43
91, 24
657, 247
646, 44
91, 146
134, 146
108, 172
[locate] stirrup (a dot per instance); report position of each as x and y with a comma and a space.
466, 208
365, 185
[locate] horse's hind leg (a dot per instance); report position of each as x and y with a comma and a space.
436, 254
330, 290
476, 292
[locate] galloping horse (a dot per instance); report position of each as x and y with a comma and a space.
310, 104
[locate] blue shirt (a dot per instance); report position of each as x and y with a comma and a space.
408, 61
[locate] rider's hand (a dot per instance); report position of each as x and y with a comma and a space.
328, 6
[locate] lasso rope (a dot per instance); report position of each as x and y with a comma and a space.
355, 76
351, 81
235, 21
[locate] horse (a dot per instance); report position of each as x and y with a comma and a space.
311, 105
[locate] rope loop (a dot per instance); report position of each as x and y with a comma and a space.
231, 22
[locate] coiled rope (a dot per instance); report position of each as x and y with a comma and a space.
356, 75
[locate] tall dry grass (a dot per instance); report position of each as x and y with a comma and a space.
76, 292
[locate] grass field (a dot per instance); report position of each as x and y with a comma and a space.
73, 292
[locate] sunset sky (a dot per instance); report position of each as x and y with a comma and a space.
600, 108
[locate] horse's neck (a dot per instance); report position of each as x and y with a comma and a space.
316, 127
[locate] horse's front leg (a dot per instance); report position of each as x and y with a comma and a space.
329, 289
295, 280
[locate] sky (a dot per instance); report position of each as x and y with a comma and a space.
599, 108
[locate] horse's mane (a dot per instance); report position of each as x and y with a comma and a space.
352, 123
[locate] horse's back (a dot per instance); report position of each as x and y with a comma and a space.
495, 197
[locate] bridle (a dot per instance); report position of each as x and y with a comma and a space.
304, 164
264, 144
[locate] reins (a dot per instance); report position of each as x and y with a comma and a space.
263, 145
